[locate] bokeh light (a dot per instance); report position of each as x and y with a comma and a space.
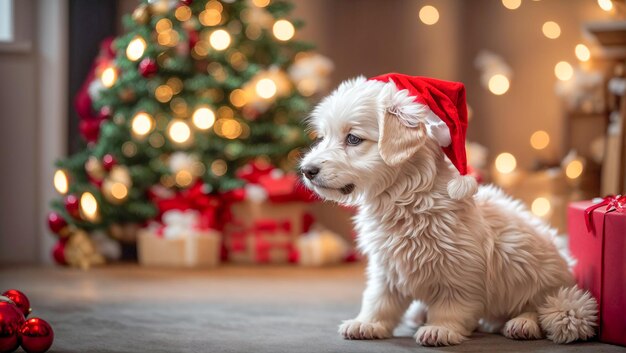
606, 5
540, 206
203, 118
179, 131
142, 124
266, 88
219, 39
582, 52
574, 169
498, 84
283, 30
108, 77
505, 163
512, 4
89, 207
429, 15
135, 49
539, 140
61, 181
551, 30
563, 71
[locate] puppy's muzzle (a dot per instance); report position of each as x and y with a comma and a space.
310, 172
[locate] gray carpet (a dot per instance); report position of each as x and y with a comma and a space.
231, 309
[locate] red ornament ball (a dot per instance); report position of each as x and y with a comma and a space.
72, 205
186, 2
194, 38
148, 67
58, 252
56, 223
90, 129
11, 320
37, 335
105, 113
108, 162
20, 299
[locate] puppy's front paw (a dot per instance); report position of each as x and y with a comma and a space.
522, 329
435, 336
357, 330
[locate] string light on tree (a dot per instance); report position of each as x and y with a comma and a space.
238, 98
512, 4
563, 71
135, 49
210, 17
183, 178
108, 76
119, 191
498, 84
606, 5
230, 128
179, 131
429, 15
89, 207
203, 118
266, 88
218, 167
582, 52
142, 124
261, 3
219, 39
539, 140
283, 30
506, 163
60, 181
114, 191
551, 30
541, 206
183, 13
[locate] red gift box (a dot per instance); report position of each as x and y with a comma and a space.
598, 242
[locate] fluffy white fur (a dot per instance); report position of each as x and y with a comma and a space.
483, 258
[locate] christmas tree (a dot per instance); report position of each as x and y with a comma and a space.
191, 92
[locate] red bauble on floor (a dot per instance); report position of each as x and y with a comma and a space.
37, 335
11, 321
20, 300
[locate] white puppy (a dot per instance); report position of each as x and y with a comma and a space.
481, 258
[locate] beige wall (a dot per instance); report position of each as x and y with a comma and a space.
18, 143
32, 127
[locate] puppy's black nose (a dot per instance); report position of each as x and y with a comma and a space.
310, 172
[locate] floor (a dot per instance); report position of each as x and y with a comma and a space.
231, 309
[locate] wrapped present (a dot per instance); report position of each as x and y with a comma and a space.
597, 233
264, 232
266, 216
180, 241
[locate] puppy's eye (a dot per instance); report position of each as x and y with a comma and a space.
316, 141
352, 140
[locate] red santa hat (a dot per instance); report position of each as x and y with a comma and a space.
445, 119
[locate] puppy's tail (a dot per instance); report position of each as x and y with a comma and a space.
569, 315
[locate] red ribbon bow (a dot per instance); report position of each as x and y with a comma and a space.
612, 203
193, 198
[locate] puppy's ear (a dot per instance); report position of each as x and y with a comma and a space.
398, 142
402, 131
